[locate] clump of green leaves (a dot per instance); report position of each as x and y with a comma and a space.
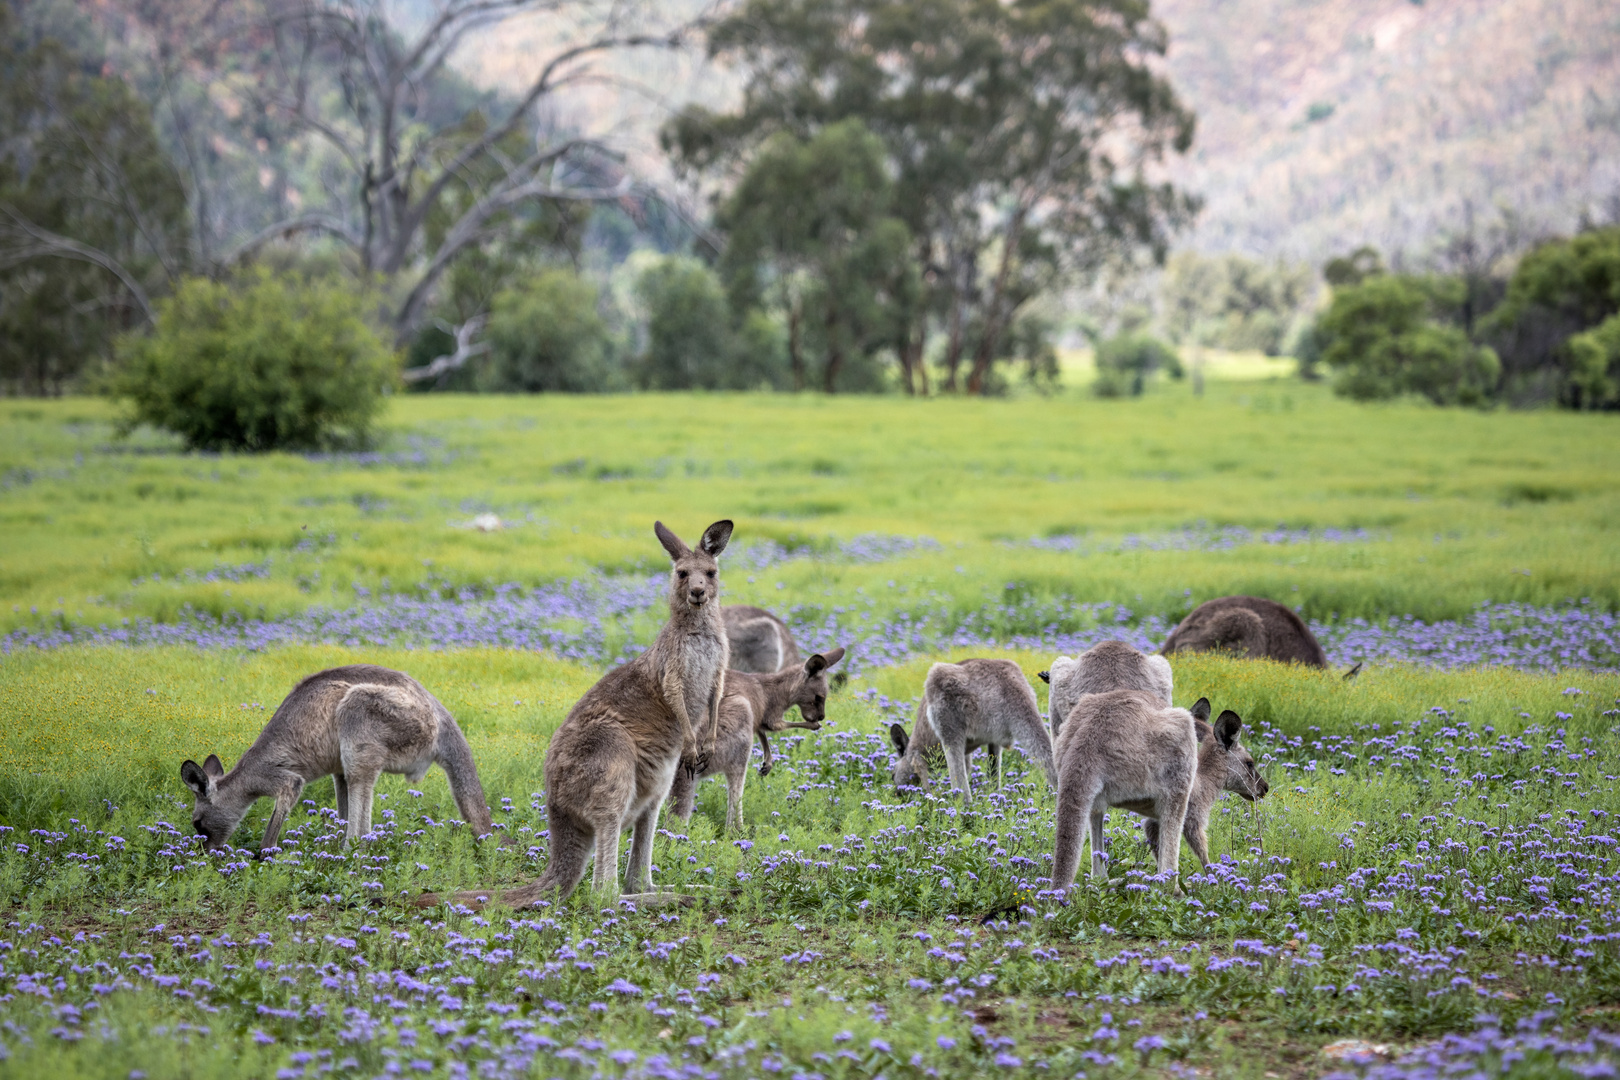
260, 363
1549, 327
546, 334
1125, 362
1595, 365
1383, 337
694, 341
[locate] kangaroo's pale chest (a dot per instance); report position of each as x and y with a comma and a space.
703, 662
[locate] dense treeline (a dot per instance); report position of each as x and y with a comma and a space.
1548, 332
908, 194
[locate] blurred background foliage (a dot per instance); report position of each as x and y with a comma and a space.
880, 196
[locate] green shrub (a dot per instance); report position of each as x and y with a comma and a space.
1381, 337
1595, 366
692, 343
547, 336
1125, 363
258, 363
1558, 292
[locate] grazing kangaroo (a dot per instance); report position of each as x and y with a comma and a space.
352, 723
610, 765
754, 704
1107, 665
1222, 766
968, 705
1252, 626
760, 642
1124, 748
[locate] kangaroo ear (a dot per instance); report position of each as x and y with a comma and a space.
1226, 729
213, 767
897, 735
673, 544
815, 665
834, 655
1200, 709
194, 777
1353, 672
715, 538
1044, 676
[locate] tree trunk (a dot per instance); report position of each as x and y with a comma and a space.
835, 354
795, 345
953, 345
994, 319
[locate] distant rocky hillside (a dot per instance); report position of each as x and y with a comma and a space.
1324, 124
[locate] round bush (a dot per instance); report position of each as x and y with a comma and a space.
1127, 361
258, 363
546, 336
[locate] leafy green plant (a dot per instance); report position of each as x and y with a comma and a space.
1382, 338
546, 335
1559, 291
259, 363
1595, 365
692, 343
1126, 362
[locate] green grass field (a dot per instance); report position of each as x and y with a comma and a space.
1505, 506
1437, 845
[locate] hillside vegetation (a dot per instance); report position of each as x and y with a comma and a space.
1322, 126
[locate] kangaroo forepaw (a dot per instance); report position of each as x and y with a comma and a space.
765, 769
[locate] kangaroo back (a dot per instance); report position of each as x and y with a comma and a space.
1252, 626
1108, 665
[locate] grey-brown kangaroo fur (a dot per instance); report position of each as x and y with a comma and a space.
760, 642
1223, 765
754, 704
968, 705
1107, 665
1251, 626
610, 765
352, 723
1124, 748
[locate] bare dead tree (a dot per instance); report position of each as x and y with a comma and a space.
467, 175
21, 240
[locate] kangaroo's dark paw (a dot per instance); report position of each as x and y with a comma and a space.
765, 769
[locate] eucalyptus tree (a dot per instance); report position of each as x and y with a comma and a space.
93, 218
811, 226
1026, 137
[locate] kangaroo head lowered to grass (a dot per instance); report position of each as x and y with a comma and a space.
964, 706
352, 723
610, 765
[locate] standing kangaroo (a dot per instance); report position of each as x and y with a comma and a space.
1107, 665
1252, 626
754, 704
760, 642
967, 705
352, 723
610, 765
1125, 748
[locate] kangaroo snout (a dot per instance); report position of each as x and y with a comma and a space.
697, 596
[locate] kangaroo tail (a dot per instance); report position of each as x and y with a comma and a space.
455, 757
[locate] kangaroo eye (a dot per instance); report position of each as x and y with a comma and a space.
710, 573
681, 574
